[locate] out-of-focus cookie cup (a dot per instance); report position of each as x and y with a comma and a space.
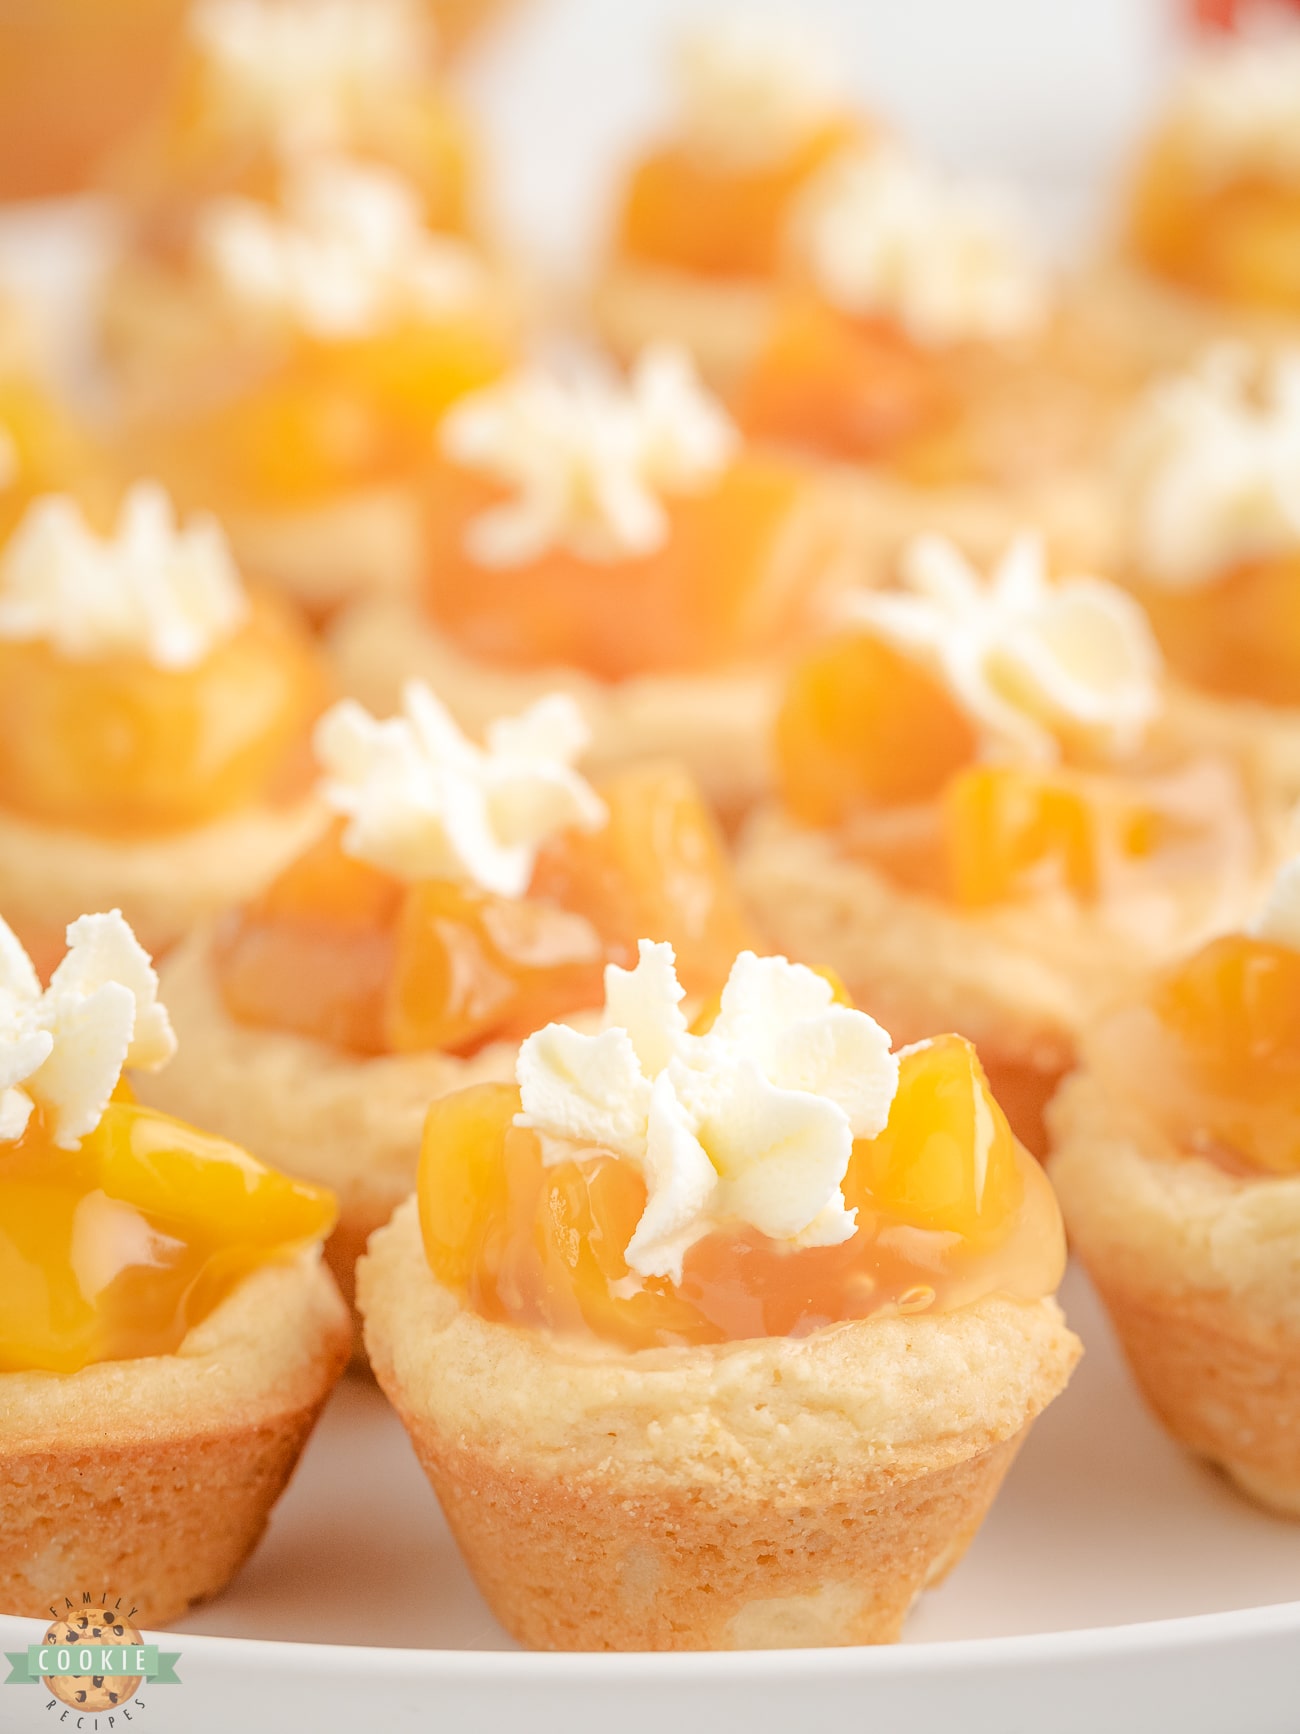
794, 1426
168, 1334
1177, 1163
699, 233
619, 542
461, 897
155, 716
990, 820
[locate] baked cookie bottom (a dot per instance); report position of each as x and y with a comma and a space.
1197, 1268
773, 1493
164, 886
154, 1478
347, 1122
1018, 980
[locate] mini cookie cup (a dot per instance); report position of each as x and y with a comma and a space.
777, 1492
1019, 979
1199, 1269
154, 1478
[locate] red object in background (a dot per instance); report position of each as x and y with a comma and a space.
1227, 14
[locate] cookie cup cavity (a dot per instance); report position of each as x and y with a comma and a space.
347, 1122
772, 1493
1019, 979
164, 886
153, 1479
1200, 1272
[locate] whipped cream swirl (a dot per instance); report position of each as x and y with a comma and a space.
1034, 664
1208, 470
588, 461
753, 1123
152, 588
424, 802
886, 238
1237, 109
751, 88
63, 1050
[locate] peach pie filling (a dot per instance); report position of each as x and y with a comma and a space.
872, 745
343, 951
1212, 1053
126, 749
116, 1248
729, 575
949, 1206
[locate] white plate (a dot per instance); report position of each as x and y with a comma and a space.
1115, 1584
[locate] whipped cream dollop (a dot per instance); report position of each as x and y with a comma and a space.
346, 255
751, 88
885, 237
1208, 469
424, 802
1237, 108
63, 1050
588, 460
152, 588
752, 1123
299, 71
1032, 663
1278, 921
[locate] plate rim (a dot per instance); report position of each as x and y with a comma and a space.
1149, 1638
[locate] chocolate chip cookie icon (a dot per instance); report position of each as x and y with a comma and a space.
92, 1692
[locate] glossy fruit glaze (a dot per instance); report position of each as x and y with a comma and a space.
124, 749
116, 1249
341, 951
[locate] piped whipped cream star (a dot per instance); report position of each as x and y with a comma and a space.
1238, 108
1278, 921
424, 802
1032, 663
751, 88
300, 72
886, 238
152, 588
588, 461
63, 1050
347, 255
1209, 468
753, 1123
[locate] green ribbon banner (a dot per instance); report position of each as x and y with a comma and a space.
81, 1661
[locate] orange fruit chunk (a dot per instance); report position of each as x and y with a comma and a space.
1237, 242
339, 951
731, 577
116, 1249
472, 967
1238, 636
1011, 832
658, 869
853, 388
949, 1207
686, 213
862, 726
314, 953
1214, 1053
125, 749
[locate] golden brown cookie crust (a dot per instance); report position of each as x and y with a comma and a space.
163, 886
154, 1478
1198, 1269
764, 1492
